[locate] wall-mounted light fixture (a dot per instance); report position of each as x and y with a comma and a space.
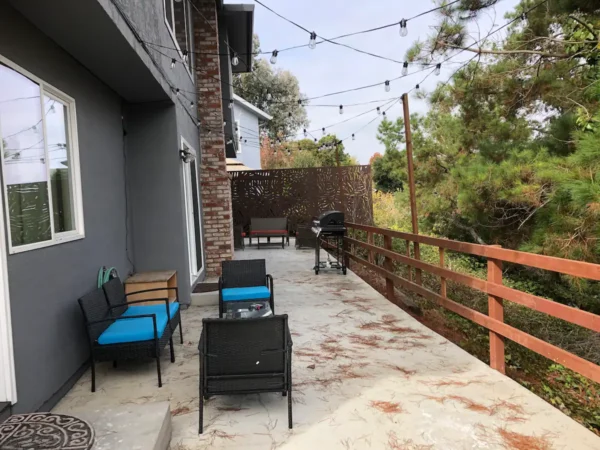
187, 155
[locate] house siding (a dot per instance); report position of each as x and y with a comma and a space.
50, 344
250, 151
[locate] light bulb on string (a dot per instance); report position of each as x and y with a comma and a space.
315, 140
417, 87
274, 57
300, 102
353, 137
235, 60
438, 69
198, 125
341, 109
312, 43
224, 123
405, 69
173, 62
177, 92
289, 152
323, 129
387, 86
383, 114
305, 133
185, 55
230, 104
192, 105
269, 96
378, 111
403, 29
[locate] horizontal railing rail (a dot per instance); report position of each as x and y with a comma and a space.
497, 292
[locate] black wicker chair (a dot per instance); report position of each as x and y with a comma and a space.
115, 336
116, 296
245, 356
245, 280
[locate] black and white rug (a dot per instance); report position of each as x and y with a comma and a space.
45, 431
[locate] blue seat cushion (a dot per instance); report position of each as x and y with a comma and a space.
246, 293
133, 330
157, 308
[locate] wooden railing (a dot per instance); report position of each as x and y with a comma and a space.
493, 287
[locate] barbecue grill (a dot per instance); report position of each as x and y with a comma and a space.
329, 230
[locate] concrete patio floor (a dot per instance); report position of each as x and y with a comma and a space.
366, 376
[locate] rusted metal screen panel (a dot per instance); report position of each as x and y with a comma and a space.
301, 194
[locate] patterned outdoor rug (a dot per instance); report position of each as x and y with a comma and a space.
45, 431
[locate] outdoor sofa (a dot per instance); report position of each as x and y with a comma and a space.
272, 227
127, 330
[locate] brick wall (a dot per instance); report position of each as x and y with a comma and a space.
214, 182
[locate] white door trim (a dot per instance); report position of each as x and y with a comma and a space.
190, 225
8, 384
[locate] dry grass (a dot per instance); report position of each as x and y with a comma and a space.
182, 410
386, 407
394, 443
517, 441
451, 383
212, 435
347, 372
368, 341
471, 405
406, 372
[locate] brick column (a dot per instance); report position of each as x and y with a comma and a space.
214, 181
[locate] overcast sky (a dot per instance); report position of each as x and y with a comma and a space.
330, 68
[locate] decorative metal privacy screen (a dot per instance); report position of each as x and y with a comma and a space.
301, 194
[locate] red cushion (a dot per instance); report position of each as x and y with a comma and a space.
269, 232
243, 234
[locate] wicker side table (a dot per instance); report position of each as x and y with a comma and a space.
152, 280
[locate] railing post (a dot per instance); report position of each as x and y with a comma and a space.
408, 267
496, 311
442, 279
388, 265
371, 240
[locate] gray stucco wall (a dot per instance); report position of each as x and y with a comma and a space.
249, 152
49, 340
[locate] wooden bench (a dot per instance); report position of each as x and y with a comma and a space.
271, 227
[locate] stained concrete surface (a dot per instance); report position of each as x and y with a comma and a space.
366, 376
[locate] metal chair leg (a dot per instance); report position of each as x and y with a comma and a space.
201, 412
290, 425
158, 365
181, 330
172, 350
93, 375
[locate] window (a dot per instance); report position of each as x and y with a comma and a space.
40, 166
178, 17
192, 210
238, 142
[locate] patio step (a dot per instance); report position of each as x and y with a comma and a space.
206, 293
130, 427
4, 411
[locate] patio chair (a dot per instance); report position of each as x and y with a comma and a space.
305, 238
245, 280
238, 237
116, 296
115, 336
245, 356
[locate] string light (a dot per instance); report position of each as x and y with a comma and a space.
417, 87
177, 92
269, 96
353, 138
315, 140
383, 114
274, 57
224, 123
230, 104
305, 133
235, 60
289, 152
341, 109
173, 62
323, 129
403, 29
378, 111
438, 69
312, 43
185, 56
299, 102
192, 105
290, 114
198, 125
405, 69
387, 86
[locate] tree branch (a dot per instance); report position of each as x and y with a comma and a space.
591, 30
471, 231
483, 51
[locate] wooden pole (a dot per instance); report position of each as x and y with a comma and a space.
411, 182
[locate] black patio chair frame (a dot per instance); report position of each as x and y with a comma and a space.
239, 345
116, 296
244, 273
99, 315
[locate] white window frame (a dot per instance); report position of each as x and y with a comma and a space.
188, 198
47, 90
188, 25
